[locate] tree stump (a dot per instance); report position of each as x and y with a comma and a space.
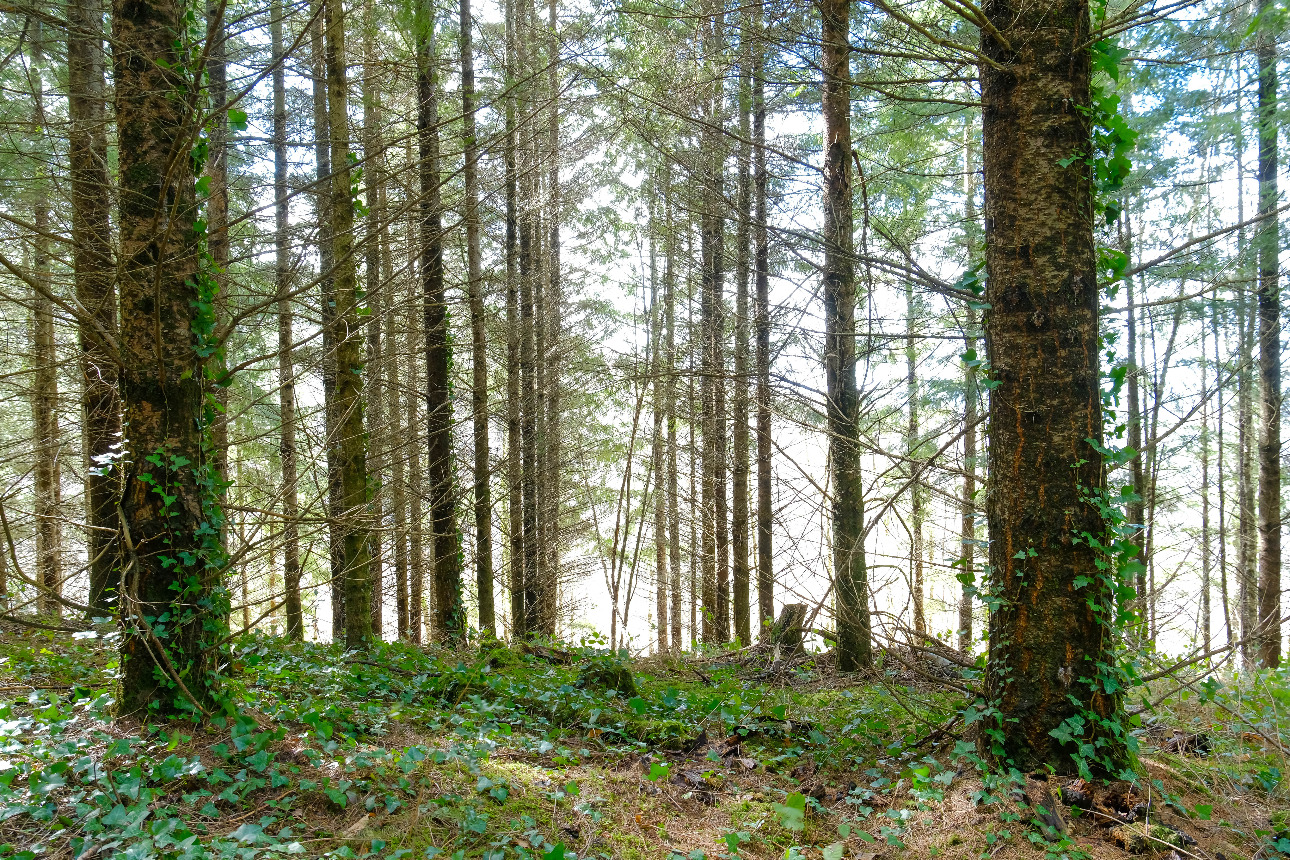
787, 633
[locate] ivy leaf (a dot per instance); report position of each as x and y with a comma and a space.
237, 119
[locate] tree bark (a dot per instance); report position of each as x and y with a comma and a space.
669, 399
739, 470
917, 495
450, 620
347, 328
217, 241
483, 497
47, 473
286, 367
93, 267
1050, 632
377, 436
553, 324
1269, 591
165, 509
514, 424
761, 264
854, 647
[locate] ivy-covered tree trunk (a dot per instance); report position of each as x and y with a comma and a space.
1269, 589
347, 328
173, 607
851, 578
1050, 645
286, 364
92, 266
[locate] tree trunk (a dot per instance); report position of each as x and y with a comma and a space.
1136, 511
373, 174
514, 424
168, 510
1206, 556
286, 368
347, 328
1269, 591
917, 496
1050, 632
528, 341
761, 264
327, 306
854, 648
217, 242
669, 397
739, 471
93, 267
418, 612
657, 455
967, 506
1221, 374
450, 620
47, 474
553, 323
478, 352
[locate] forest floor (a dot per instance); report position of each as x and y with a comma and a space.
564, 752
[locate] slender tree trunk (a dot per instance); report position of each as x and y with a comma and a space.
1220, 373
1269, 590
553, 323
739, 472
347, 326
1135, 510
514, 431
286, 367
917, 496
854, 648
1046, 639
669, 399
528, 338
761, 265
450, 621
478, 353
657, 455
967, 507
418, 612
327, 305
93, 267
1206, 556
47, 474
162, 377
373, 174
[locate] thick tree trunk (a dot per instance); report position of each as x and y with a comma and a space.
217, 241
761, 266
450, 619
286, 367
46, 472
1050, 633
93, 268
854, 647
347, 328
1269, 352
167, 506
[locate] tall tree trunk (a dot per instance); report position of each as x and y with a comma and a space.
669, 399
1046, 639
327, 306
1269, 351
47, 474
418, 612
1221, 374
217, 241
854, 646
657, 455
478, 352
93, 266
374, 175
761, 266
347, 328
527, 334
1136, 510
450, 620
739, 470
165, 510
1206, 556
514, 442
553, 323
967, 506
286, 367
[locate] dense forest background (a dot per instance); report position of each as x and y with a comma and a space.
666, 382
